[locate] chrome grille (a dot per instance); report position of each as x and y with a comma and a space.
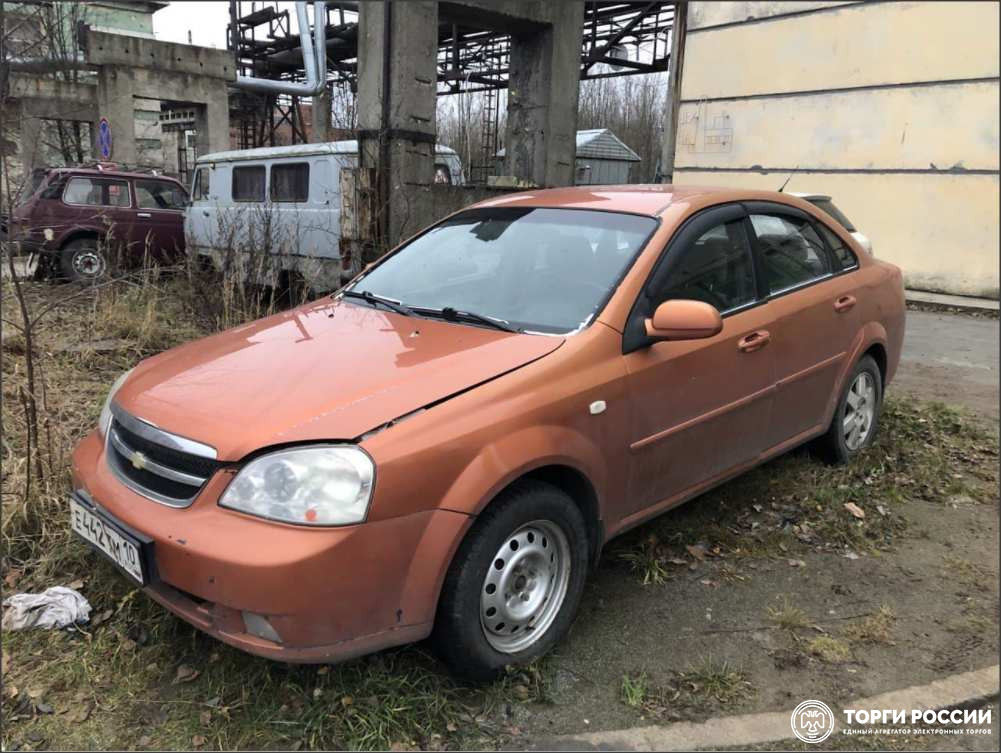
161, 466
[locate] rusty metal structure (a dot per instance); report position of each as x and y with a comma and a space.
619, 39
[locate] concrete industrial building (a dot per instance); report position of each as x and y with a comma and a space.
891, 108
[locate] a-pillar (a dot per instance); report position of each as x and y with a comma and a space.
115, 101
542, 97
397, 53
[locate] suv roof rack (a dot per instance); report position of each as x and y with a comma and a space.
105, 165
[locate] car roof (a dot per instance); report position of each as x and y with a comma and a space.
649, 199
349, 147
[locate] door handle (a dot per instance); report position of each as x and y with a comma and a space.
844, 303
146, 215
205, 213
754, 341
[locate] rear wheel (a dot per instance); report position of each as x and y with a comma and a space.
83, 261
514, 585
856, 418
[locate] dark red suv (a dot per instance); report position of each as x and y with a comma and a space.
80, 218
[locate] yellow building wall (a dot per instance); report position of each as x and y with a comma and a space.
891, 108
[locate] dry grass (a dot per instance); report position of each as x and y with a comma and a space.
877, 628
829, 650
788, 617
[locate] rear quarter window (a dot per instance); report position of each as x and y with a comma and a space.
843, 255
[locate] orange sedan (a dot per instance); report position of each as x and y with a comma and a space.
442, 447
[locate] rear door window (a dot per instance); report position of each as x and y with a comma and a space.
792, 252
159, 194
97, 192
248, 183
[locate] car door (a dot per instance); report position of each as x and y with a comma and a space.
104, 204
159, 224
700, 407
816, 319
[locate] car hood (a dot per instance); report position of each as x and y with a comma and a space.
325, 371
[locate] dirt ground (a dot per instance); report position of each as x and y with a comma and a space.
795, 581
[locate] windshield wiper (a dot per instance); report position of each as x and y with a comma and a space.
454, 315
372, 298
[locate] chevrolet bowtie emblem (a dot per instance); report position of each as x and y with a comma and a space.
138, 460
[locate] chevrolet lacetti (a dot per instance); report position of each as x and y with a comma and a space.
443, 446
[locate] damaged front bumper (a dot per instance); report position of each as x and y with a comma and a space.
285, 592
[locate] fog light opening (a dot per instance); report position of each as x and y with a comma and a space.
258, 625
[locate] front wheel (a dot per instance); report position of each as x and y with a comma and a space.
856, 418
514, 585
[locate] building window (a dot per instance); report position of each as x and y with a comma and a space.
290, 182
248, 183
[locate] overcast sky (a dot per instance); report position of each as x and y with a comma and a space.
206, 21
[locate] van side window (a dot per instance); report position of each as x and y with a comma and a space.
290, 182
200, 190
845, 256
791, 250
248, 183
717, 269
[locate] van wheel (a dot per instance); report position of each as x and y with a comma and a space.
514, 585
83, 261
856, 418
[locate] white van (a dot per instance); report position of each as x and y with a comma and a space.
276, 210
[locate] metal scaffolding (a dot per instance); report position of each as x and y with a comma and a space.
619, 39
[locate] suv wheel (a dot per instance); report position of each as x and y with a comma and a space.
856, 418
514, 585
83, 261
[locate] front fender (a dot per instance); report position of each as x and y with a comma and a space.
505, 460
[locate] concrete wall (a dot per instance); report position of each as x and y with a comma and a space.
892, 108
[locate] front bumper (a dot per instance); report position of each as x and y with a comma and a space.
329, 594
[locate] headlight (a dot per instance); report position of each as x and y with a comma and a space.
316, 486
105, 420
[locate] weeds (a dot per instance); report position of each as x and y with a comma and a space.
877, 628
787, 616
829, 650
634, 690
719, 680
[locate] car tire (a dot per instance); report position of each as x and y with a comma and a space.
532, 544
856, 418
83, 260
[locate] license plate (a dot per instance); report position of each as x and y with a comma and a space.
118, 546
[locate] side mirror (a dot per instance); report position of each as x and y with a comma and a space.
684, 320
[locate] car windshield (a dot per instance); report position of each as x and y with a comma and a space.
533, 269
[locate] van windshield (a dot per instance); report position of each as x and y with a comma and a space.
534, 269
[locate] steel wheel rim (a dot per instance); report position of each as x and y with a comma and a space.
88, 264
525, 586
860, 410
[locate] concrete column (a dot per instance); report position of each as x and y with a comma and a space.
672, 104
398, 140
321, 117
115, 101
212, 121
542, 99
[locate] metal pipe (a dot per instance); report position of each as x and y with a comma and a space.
316, 73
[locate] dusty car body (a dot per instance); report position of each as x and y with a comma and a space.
76, 218
500, 461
